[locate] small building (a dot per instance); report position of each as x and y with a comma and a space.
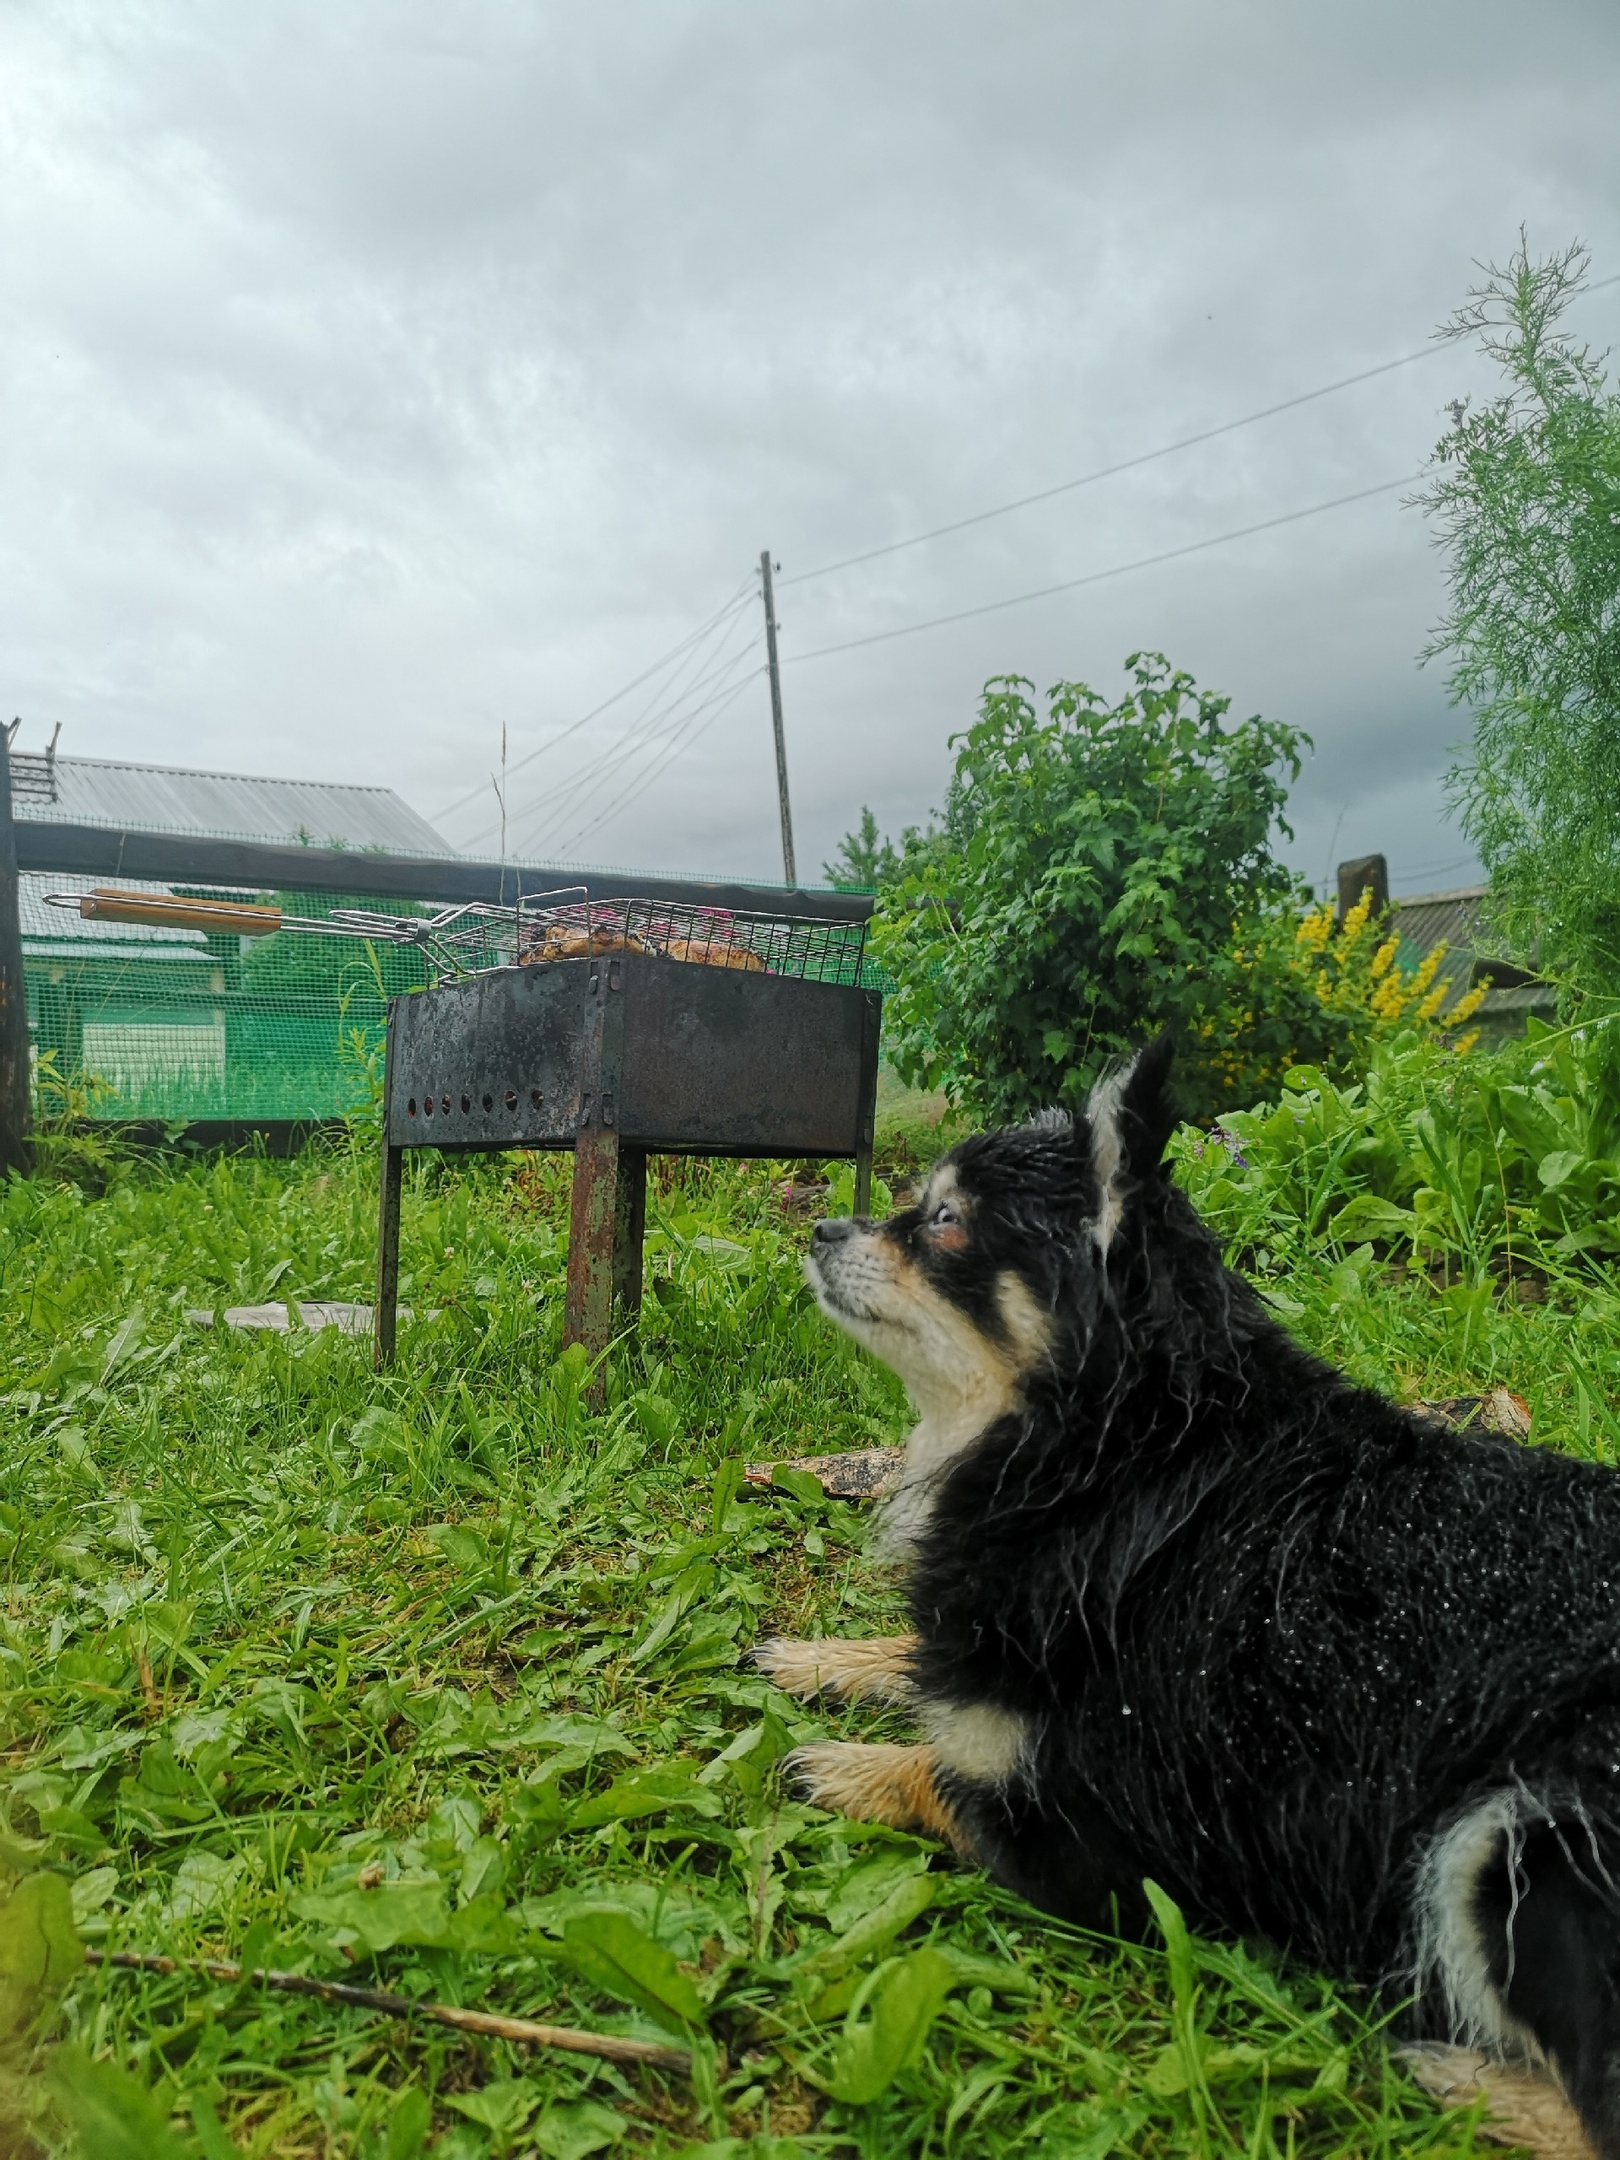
173, 1024
1456, 920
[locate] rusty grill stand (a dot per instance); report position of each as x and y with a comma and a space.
616, 1058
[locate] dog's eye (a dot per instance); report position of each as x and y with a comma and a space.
946, 1230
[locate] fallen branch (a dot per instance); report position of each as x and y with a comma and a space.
610, 2045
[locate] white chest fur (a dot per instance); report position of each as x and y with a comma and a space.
936, 1441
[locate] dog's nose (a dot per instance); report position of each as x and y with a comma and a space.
834, 1230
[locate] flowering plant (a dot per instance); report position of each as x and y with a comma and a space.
1358, 971
1317, 993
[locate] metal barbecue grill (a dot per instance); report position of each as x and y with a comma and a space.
624, 1029
616, 1029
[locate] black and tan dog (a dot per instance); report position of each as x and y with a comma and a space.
1189, 1605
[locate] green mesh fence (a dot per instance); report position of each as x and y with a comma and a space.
178, 1026
184, 1026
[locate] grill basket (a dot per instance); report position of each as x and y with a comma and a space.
796, 946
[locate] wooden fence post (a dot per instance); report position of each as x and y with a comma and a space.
15, 1077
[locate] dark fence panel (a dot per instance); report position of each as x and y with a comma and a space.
265, 866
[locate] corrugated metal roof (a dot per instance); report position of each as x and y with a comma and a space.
229, 806
1532, 997
1425, 920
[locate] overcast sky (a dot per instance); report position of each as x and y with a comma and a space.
375, 375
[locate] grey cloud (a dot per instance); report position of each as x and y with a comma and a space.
376, 376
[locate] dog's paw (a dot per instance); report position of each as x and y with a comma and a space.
797, 1668
842, 1777
1521, 2108
867, 1669
870, 1781
878, 1783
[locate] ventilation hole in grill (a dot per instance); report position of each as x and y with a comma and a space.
466, 1104
444, 1104
535, 1097
511, 1098
411, 1106
489, 1102
427, 1105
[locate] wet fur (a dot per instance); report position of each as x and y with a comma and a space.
1190, 1605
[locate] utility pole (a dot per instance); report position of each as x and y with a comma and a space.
15, 1077
790, 872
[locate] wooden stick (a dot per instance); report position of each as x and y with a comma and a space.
610, 2045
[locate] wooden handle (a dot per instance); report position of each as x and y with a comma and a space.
157, 911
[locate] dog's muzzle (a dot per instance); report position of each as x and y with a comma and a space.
833, 1244
836, 1230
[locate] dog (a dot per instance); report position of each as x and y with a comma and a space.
1189, 1605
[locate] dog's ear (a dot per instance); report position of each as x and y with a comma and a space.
1148, 1110
1130, 1115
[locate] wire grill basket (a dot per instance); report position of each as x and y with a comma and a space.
468, 940
794, 945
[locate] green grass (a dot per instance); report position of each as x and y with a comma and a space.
270, 1621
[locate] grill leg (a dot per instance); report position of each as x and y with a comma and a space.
629, 1229
871, 1033
384, 1312
588, 1309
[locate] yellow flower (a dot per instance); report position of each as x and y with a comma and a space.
1467, 1042
1427, 972
1466, 1007
1356, 921
1316, 928
1324, 989
1383, 956
1433, 1002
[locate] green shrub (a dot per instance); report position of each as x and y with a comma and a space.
1095, 877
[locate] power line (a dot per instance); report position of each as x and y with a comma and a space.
743, 593
1107, 472
1096, 577
692, 734
682, 739
612, 763
1145, 457
718, 672
545, 817
589, 779
661, 747
1429, 870
662, 700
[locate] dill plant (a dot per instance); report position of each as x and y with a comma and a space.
1525, 501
